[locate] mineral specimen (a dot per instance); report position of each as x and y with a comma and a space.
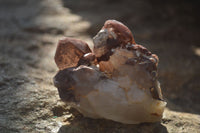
117, 81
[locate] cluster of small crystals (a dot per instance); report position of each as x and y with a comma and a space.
117, 74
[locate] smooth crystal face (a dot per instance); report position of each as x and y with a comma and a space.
118, 81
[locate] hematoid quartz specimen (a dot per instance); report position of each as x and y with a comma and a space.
115, 80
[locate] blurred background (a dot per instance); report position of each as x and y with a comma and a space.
30, 29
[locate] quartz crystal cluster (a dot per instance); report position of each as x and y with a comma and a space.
115, 80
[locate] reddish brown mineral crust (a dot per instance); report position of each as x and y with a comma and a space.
124, 35
106, 66
69, 51
139, 48
156, 58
